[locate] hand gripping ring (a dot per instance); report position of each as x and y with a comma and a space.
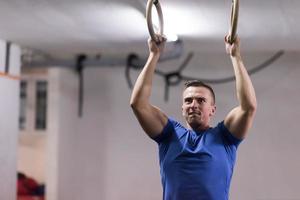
234, 20
149, 18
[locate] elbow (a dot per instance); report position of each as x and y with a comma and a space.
135, 103
251, 108
139, 106
248, 102
138, 101
135, 100
133, 106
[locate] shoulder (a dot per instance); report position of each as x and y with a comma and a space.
221, 130
173, 127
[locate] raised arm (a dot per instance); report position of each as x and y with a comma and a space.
239, 120
151, 118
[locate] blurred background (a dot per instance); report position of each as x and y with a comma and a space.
66, 72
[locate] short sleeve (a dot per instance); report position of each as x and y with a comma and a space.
166, 132
230, 138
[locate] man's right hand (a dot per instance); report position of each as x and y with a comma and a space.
158, 45
234, 48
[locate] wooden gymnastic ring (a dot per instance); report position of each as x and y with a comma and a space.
149, 18
234, 20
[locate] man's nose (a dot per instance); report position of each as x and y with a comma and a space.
194, 103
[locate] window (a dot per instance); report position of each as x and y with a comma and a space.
23, 100
41, 105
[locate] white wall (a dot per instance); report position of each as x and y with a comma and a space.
106, 155
61, 179
32, 156
9, 109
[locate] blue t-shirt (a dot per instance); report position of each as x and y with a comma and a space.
196, 165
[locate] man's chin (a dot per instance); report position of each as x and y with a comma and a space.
193, 120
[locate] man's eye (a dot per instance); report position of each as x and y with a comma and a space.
188, 100
201, 100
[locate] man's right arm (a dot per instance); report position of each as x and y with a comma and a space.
151, 118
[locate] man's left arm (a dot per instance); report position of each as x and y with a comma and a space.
239, 120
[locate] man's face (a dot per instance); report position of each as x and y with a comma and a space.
198, 106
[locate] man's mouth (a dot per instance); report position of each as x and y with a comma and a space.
193, 113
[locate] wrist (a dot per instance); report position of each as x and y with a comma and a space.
237, 56
154, 54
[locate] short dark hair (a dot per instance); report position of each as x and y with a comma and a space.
198, 83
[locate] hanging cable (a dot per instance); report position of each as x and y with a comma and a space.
173, 78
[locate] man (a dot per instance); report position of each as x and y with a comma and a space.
196, 162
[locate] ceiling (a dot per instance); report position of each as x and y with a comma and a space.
64, 28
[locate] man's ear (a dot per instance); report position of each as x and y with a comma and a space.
213, 110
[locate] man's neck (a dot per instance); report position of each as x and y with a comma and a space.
198, 127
